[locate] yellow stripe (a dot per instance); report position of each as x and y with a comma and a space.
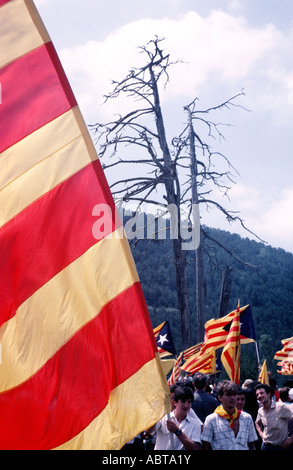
50, 317
38, 146
21, 30
41, 161
133, 406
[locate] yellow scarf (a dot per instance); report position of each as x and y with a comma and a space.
221, 412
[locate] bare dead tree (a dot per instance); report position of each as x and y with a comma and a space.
182, 174
144, 130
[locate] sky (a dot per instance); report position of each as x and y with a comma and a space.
225, 46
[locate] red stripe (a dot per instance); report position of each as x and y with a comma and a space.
49, 234
4, 1
74, 386
212, 344
35, 91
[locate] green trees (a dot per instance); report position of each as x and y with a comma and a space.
269, 291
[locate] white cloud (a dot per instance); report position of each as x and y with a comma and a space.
219, 49
221, 52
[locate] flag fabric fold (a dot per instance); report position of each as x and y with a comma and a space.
263, 375
286, 368
80, 368
205, 363
286, 353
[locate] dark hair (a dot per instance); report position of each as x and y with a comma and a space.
268, 389
183, 393
200, 380
227, 386
284, 393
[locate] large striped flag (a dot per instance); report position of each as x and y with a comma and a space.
79, 365
231, 352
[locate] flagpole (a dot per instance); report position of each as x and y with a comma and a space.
257, 354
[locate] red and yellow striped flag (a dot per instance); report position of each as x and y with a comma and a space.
79, 365
231, 352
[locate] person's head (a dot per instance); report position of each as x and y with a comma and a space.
227, 393
240, 399
200, 381
248, 384
183, 398
188, 383
284, 394
264, 393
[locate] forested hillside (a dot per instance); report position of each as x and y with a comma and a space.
268, 289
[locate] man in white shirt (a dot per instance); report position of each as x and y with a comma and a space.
178, 430
228, 428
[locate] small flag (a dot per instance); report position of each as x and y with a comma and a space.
263, 376
164, 339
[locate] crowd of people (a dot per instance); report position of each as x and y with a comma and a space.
255, 416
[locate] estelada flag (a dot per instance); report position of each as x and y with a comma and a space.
247, 331
164, 340
79, 368
216, 331
230, 356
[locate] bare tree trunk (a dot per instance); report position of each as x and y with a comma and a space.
182, 294
199, 270
173, 198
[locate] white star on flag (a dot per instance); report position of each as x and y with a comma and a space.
162, 339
